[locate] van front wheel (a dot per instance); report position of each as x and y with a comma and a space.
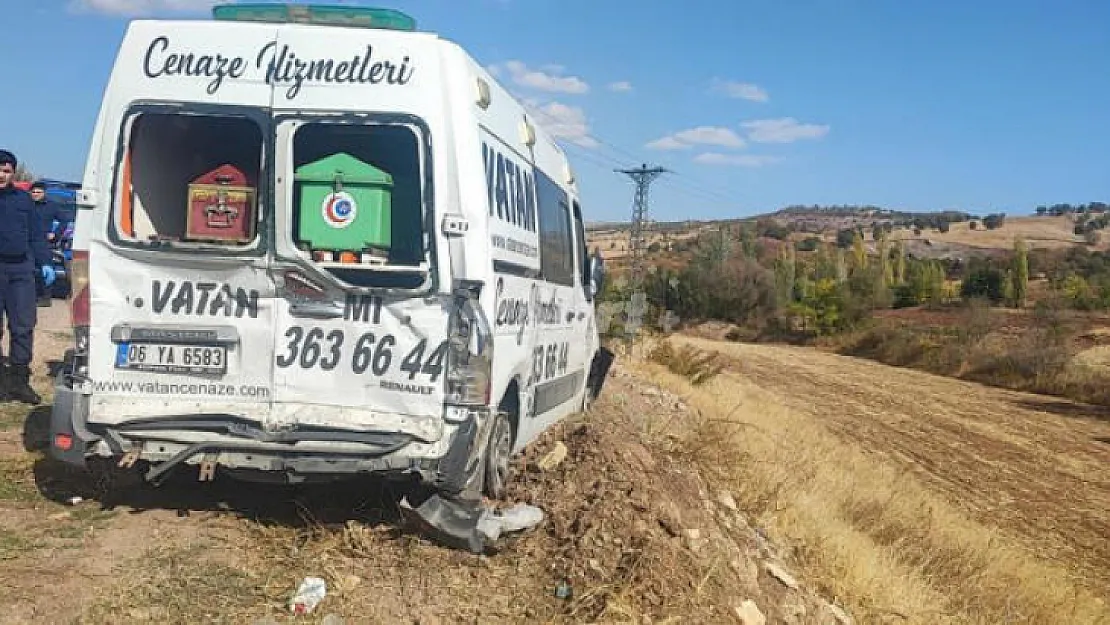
498, 455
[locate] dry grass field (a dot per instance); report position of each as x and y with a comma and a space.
915, 498
1038, 232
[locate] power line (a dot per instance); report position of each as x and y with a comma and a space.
681, 184
701, 186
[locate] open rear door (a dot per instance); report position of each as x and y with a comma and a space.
180, 293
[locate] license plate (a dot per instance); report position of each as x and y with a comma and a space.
170, 358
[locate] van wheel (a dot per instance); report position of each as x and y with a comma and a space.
497, 471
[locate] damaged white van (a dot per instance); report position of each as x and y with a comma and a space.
314, 242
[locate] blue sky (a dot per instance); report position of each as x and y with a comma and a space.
922, 105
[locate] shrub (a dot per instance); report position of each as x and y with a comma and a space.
809, 244
695, 365
982, 280
738, 291
845, 238
773, 230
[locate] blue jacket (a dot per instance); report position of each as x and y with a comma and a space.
21, 232
47, 212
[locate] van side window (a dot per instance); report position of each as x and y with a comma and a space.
583, 257
556, 246
190, 178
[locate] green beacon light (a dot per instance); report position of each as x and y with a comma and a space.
320, 14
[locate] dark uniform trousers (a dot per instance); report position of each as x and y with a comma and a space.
18, 305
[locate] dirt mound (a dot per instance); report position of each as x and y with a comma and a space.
636, 534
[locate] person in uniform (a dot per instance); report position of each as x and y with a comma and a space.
47, 212
23, 254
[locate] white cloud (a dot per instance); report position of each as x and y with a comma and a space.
622, 86
541, 80
736, 160
740, 90
702, 135
142, 7
667, 143
783, 130
563, 121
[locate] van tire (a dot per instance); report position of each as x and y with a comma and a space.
498, 455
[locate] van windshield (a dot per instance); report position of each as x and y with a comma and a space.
357, 203
190, 180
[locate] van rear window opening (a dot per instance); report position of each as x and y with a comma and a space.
357, 188
357, 199
190, 179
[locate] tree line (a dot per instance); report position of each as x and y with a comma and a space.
770, 289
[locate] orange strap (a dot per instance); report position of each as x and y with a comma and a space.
126, 208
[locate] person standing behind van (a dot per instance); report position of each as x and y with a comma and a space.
23, 253
47, 212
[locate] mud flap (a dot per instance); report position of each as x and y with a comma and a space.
599, 371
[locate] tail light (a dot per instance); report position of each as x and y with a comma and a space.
79, 281
79, 306
470, 352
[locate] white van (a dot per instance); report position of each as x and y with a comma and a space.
314, 242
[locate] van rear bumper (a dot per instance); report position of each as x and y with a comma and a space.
67, 423
229, 442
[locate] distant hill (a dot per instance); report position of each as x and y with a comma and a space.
937, 234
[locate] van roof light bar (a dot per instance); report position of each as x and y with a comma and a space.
320, 14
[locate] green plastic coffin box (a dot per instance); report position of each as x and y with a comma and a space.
345, 205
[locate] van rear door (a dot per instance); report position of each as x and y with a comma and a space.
359, 338
347, 353
181, 296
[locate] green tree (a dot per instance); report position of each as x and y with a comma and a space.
994, 220
845, 238
1008, 285
983, 280
715, 251
809, 244
900, 264
1020, 273
819, 310
785, 276
859, 252
1079, 293
747, 240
